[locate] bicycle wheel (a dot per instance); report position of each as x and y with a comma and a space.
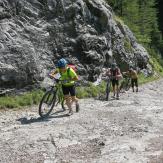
60, 100
47, 103
107, 90
128, 85
125, 85
121, 88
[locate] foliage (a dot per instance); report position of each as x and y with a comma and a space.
145, 79
26, 99
34, 97
127, 45
141, 17
91, 91
156, 65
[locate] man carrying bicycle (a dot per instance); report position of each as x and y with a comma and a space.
68, 78
134, 77
115, 74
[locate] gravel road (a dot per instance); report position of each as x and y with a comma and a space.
129, 130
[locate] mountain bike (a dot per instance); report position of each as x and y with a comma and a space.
108, 88
125, 84
52, 97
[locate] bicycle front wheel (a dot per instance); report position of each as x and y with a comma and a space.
121, 88
107, 90
128, 85
47, 103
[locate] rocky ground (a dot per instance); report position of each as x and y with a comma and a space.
128, 130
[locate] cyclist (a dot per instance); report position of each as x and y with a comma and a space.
68, 77
134, 77
115, 75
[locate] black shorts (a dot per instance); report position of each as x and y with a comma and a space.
134, 82
115, 82
69, 90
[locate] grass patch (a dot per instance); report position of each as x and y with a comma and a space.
143, 79
157, 68
119, 20
127, 45
155, 63
91, 91
20, 101
34, 97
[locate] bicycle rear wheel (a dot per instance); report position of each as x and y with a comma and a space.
121, 88
47, 103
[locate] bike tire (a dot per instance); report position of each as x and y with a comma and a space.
49, 98
77, 107
121, 87
125, 86
128, 85
107, 91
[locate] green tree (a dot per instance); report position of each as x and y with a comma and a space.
142, 18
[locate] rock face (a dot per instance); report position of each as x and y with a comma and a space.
34, 34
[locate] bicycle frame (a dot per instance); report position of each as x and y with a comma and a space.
52, 97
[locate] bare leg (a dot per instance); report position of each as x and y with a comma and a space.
114, 91
68, 102
133, 89
75, 100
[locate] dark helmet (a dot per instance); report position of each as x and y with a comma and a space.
131, 67
61, 63
113, 65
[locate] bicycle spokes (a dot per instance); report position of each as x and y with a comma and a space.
49, 99
47, 103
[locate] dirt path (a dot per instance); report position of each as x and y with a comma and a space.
129, 130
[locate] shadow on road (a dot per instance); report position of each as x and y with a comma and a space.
58, 116
28, 120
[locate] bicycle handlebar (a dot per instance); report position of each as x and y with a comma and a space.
62, 81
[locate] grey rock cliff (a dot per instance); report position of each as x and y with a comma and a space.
34, 34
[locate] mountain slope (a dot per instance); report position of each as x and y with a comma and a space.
35, 33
